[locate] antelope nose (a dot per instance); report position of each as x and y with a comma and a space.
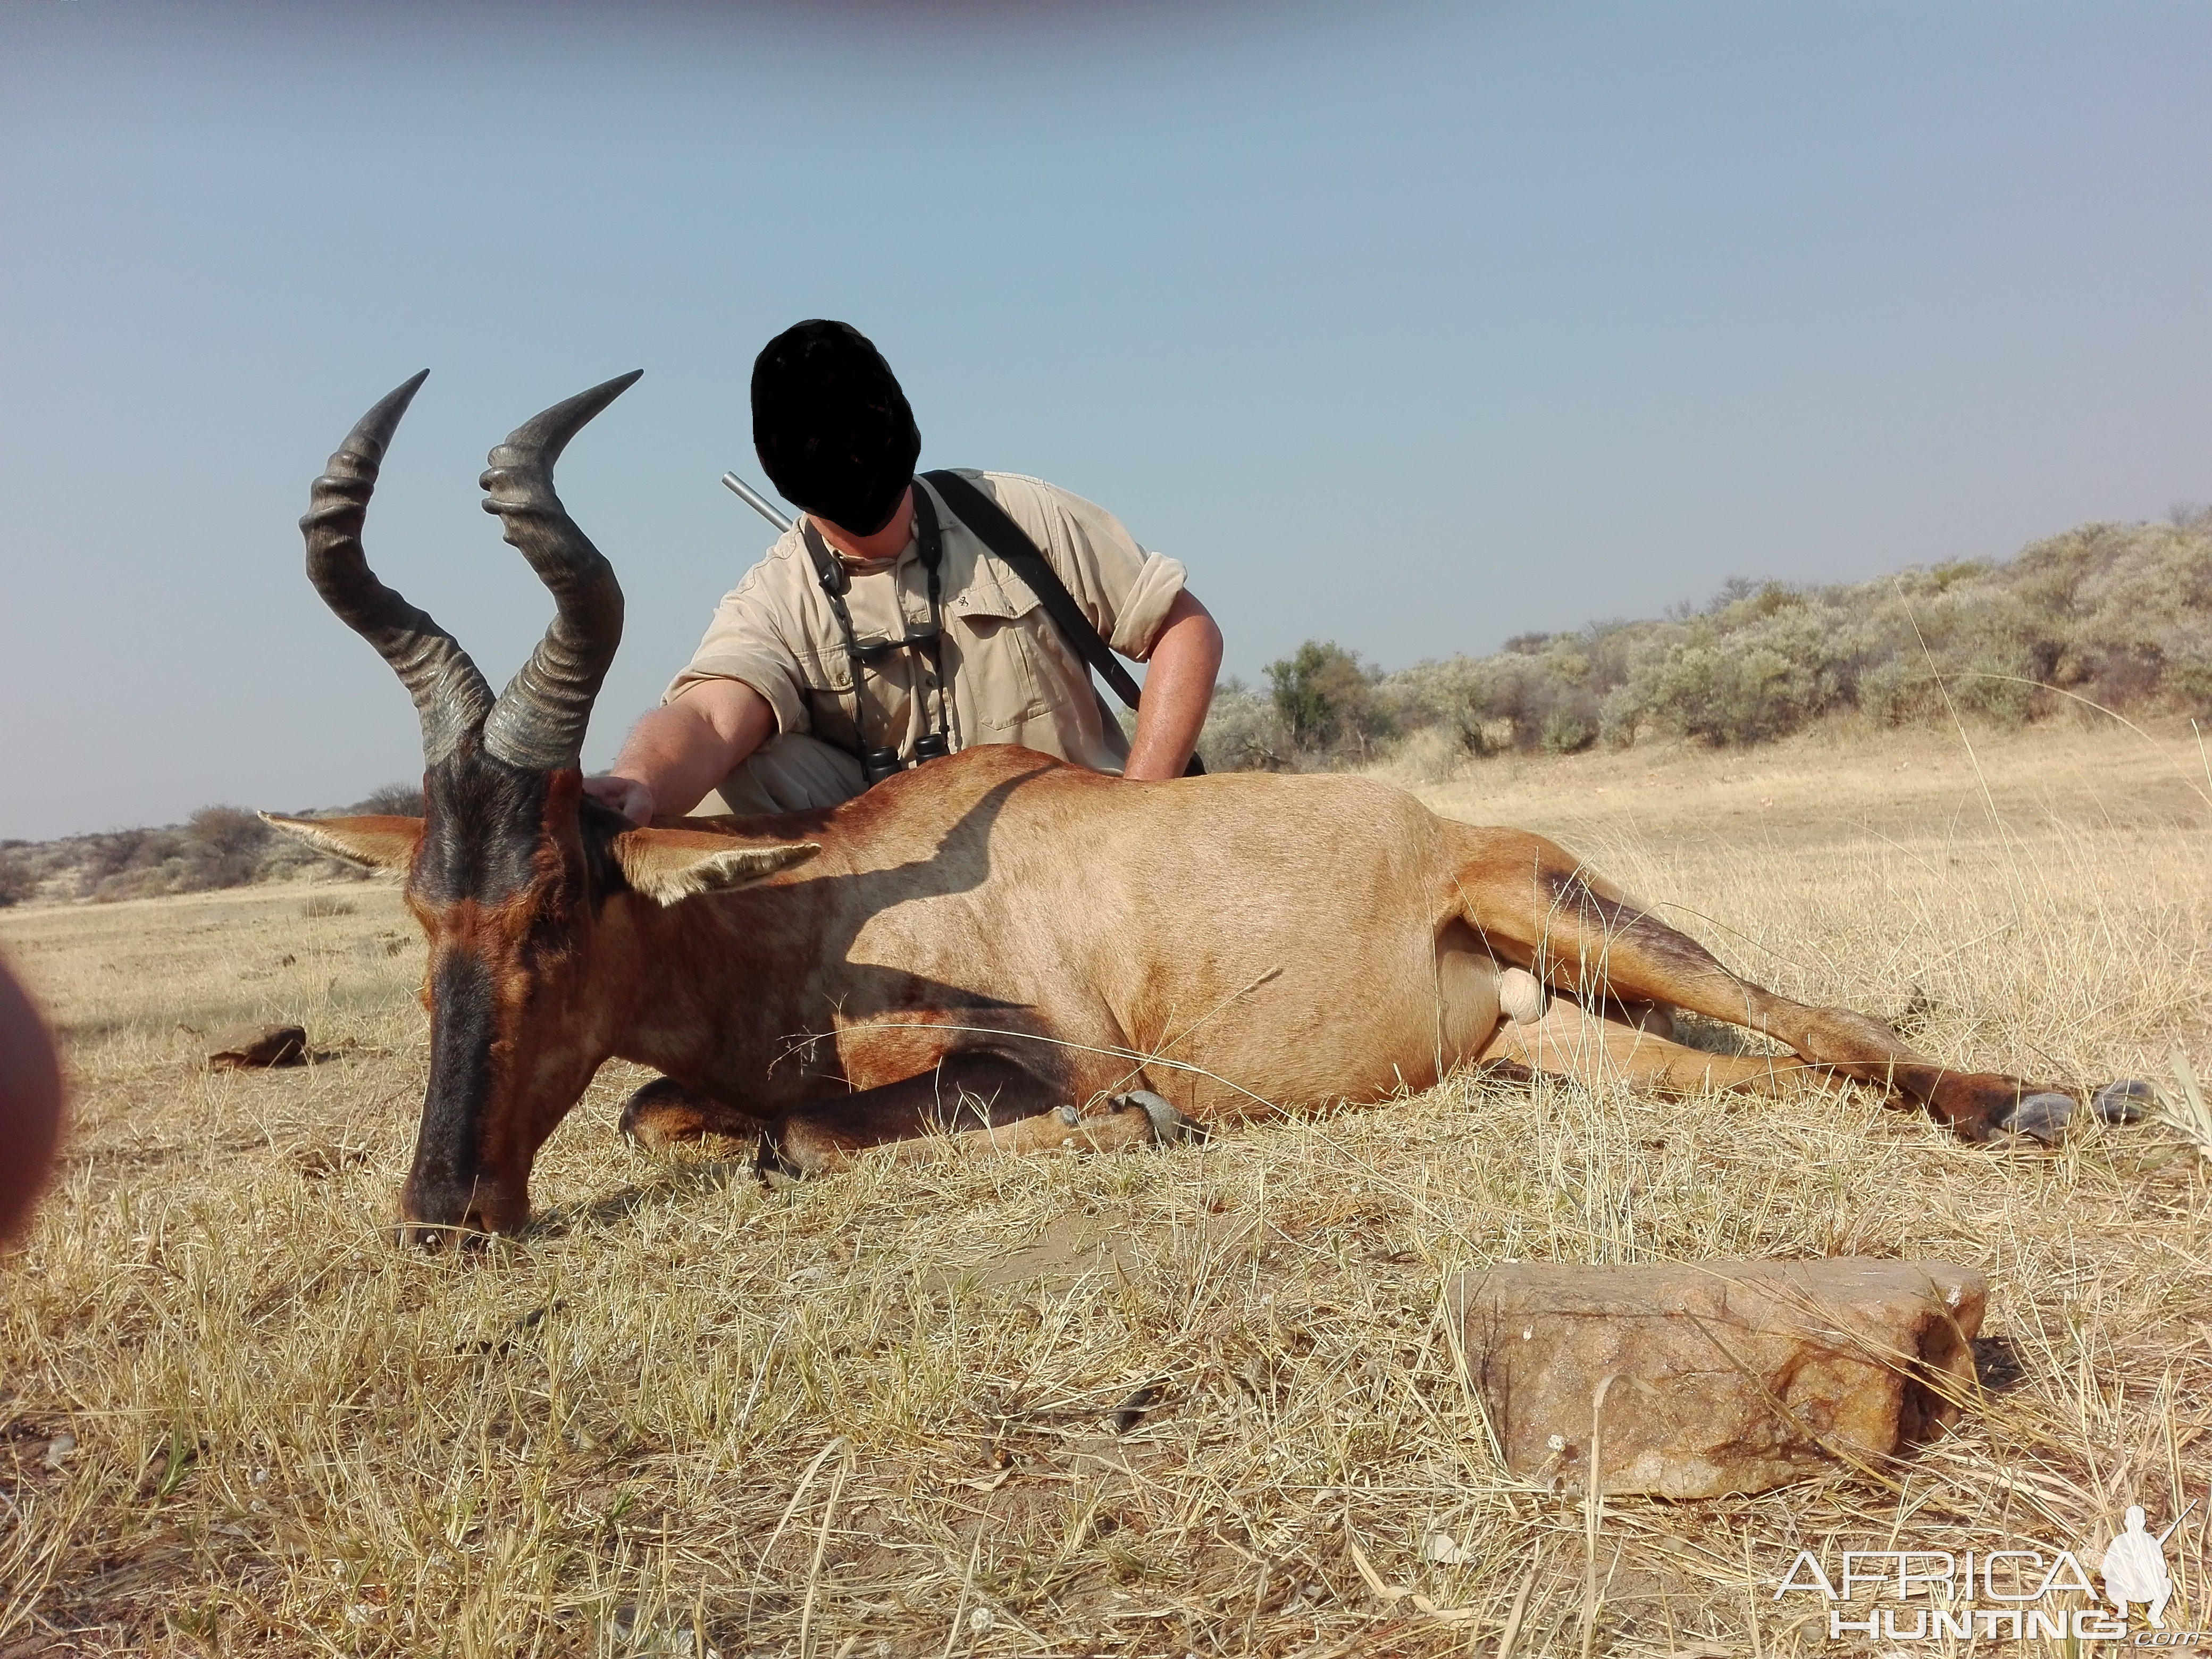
471, 1230
436, 1213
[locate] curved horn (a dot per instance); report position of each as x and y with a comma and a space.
449, 694
538, 721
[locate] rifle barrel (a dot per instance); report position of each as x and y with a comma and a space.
752, 498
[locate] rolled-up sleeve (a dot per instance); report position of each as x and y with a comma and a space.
744, 643
1125, 589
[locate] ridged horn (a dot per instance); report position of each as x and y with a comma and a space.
538, 721
450, 695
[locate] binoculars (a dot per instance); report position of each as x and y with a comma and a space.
876, 764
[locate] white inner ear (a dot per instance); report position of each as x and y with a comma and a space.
716, 872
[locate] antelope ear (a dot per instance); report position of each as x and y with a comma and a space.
382, 844
667, 865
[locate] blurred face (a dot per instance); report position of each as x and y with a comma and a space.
884, 543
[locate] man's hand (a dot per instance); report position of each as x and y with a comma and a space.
628, 796
679, 752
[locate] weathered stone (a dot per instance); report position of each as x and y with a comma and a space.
1721, 1376
2125, 1100
245, 1046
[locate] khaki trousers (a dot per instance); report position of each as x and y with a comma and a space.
786, 773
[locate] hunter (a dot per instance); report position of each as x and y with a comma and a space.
902, 617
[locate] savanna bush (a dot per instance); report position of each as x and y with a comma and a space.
218, 847
1325, 698
19, 880
2115, 615
402, 800
1244, 733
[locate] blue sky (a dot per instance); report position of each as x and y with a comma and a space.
1410, 325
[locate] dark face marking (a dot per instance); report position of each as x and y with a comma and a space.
447, 1147
513, 867
482, 824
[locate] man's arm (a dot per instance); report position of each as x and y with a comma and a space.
1178, 690
680, 751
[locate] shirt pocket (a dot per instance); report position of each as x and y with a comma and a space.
886, 702
826, 673
825, 680
1004, 669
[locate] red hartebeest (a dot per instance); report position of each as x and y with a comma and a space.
1057, 958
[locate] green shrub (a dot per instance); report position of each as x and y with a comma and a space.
1325, 697
2120, 615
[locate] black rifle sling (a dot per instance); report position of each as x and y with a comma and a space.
1012, 543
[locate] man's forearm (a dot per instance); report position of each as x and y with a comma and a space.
671, 750
1178, 690
684, 748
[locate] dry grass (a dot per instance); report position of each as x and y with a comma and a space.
1141, 1405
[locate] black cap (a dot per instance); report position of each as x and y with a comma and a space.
833, 430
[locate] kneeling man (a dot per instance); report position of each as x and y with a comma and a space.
882, 628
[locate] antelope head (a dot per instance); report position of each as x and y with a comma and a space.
526, 888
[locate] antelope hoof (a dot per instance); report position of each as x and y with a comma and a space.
2041, 1117
2126, 1101
1170, 1126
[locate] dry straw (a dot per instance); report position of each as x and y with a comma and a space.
1198, 1401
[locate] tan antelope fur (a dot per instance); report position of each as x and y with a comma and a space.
996, 953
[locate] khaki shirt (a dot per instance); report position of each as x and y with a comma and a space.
1013, 678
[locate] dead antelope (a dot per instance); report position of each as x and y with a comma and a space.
1024, 955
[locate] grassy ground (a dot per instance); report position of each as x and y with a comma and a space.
1142, 1405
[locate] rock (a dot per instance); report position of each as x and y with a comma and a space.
1725, 1376
2129, 1100
242, 1047
2043, 1117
